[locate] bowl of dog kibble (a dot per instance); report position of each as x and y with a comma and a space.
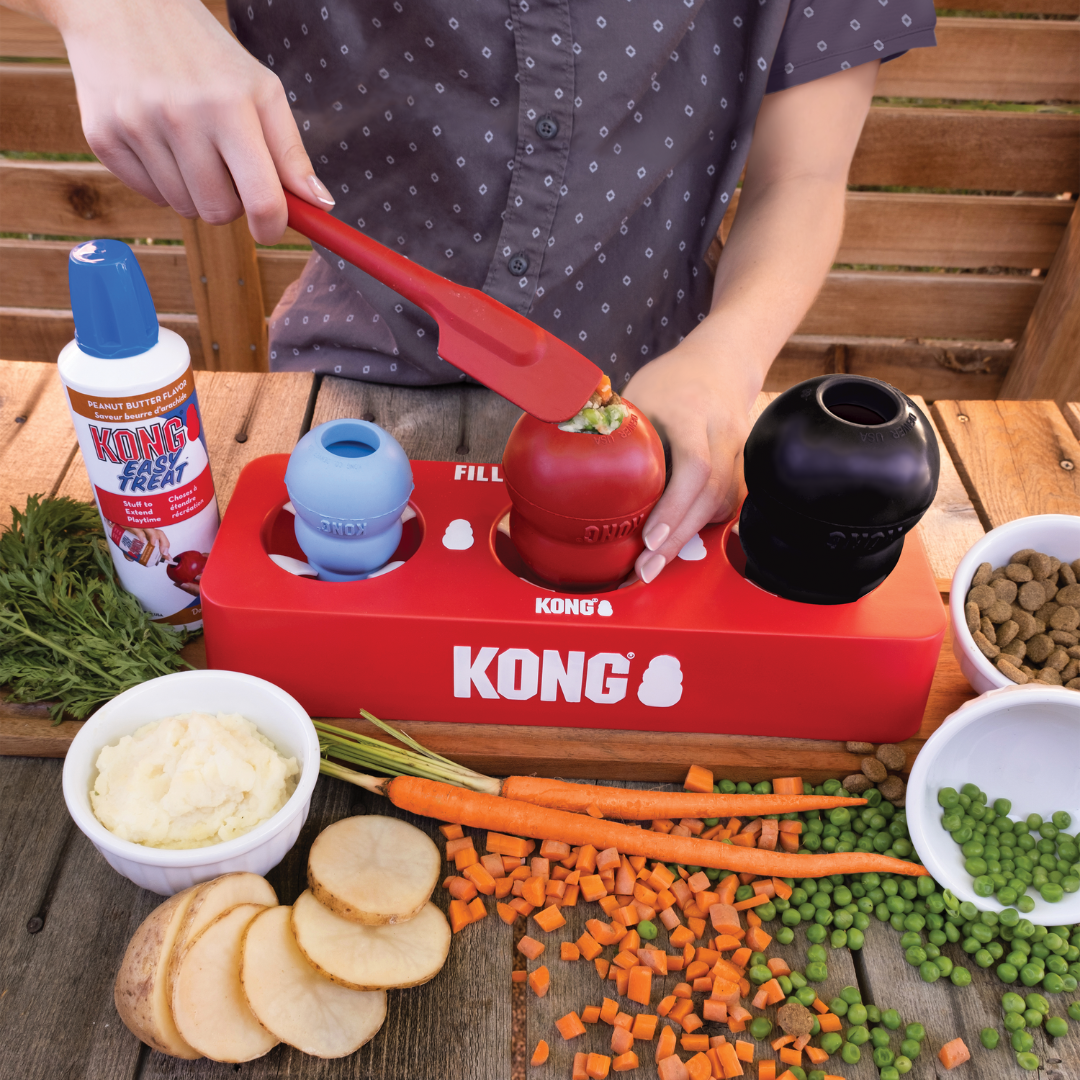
1015, 605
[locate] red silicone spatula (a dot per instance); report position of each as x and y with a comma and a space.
485, 339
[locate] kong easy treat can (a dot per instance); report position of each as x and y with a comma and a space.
131, 392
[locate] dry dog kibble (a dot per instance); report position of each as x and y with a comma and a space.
982, 574
1070, 671
986, 647
1057, 659
1066, 618
856, 783
1015, 648
1066, 574
1025, 621
1018, 572
1005, 589
873, 769
862, 747
1074, 651
1023, 556
1048, 675
988, 631
1063, 637
1046, 613
795, 1019
998, 612
1005, 633
893, 757
1073, 684
1070, 595
893, 789
984, 596
974, 621
1010, 670
1030, 596
1039, 648
1040, 565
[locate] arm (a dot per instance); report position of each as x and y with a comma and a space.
782, 243
176, 107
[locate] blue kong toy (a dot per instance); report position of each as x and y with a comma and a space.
349, 482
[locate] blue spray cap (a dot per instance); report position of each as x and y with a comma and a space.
114, 314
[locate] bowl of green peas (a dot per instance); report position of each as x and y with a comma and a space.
993, 804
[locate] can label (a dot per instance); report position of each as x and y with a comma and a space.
147, 461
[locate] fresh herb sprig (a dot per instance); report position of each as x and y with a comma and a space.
69, 634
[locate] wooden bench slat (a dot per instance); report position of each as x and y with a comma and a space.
1009, 455
922, 305
1018, 7
990, 60
967, 150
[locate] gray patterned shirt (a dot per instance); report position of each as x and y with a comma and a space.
572, 158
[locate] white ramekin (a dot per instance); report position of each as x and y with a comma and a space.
277, 715
1052, 534
1020, 743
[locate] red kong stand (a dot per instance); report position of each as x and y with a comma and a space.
458, 632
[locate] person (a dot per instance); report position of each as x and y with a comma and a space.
573, 158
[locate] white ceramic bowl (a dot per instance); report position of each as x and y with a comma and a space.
1020, 743
276, 714
1052, 534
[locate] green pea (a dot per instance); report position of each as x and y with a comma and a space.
1032, 1018
831, 1042
1056, 1026
929, 972
889, 1072
785, 984
798, 980
960, 976
1012, 1003
1013, 1021
910, 1048
883, 1056
1073, 1010
1028, 1062
1038, 1002
760, 1027
902, 1065
858, 1035
817, 972
891, 1019
759, 974
1007, 972
915, 955
1053, 983
1061, 819
856, 1014
1002, 807
873, 1014
816, 933
785, 935
1030, 975
944, 965
646, 929
990, 1037
1051, 892
984, 958
851, 1053
806, 995
1022, 1041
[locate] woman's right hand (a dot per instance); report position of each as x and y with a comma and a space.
175, 107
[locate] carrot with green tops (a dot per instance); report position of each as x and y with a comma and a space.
628, 804
478, 810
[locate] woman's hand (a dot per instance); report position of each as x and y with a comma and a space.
181, 112
701, 413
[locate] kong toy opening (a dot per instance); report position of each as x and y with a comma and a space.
350, 440
860, 403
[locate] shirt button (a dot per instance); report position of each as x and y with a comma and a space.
518, 264
546, 127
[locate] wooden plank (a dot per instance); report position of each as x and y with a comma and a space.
990, 60
38, 334
932, 369
40, 111
36, 437
279, 269
1020, 7
1015, 458
228, 296
245, 415
967, 150
1071, 412
1047, 360
881, 303
950, 526
33, 274
947, 1013
898, 229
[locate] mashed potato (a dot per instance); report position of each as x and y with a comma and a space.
190, 781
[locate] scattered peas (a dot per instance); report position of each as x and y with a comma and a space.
646, 929
1056, 1026
990, 1037
760, 1027
1029, 1062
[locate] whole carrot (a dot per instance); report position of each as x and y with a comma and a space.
632, 804
496, 813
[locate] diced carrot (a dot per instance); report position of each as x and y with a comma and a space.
683, 1006
764, 885
750, 902
783, 890
479, 876
695, 969
510, 845
790, 1056
788, 785
757, 939
461, 888
621, 1040
696, 927
819, 1006
533, 891
769, 833
816, 1055
540, 981
644, 1027
680, 830
761, 999
829, 1022
590, 1014
609, 903
570, 1026
522, 907
625, 915
518, 975
624, 1020
465, 857
597, 1066
477, 911
660, 877
681, 935
530, 947
459, 915
730, 1060
691, 1022
702, 985
789, 842
744, 1050
766, 1069
699, 1067
666, 1004
625, 1062
609, 1010
639, 986
569, 951
540, 866
451, 832
622, 979
752, 919
506, 913
602, 966
666, 1045
725, 919
460, 843
698, 882
540, 1054
550, 919
554, 849
781, 1041
608, 859
675, 963
493, 864
579, 1073
747, 840
725, 991
712, 1009
741, 957
672, 1068
503, 887
954, 1053
778, 966
774, 991
626, 960
554, 888
683, 990
713, 1054
520, 872
693, 1043
654, 960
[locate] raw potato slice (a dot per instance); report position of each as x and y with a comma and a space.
214, 898
292, 1000
207, 999
141, 990
373, 869
371, 957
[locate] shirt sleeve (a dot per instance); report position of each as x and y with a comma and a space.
823, 36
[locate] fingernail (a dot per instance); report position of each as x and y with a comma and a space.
320, 190
652, 566
656, 535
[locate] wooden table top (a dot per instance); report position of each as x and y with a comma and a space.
1003, 460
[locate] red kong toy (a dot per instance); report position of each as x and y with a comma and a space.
186, 568
580, 499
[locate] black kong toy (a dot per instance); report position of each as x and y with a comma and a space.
838, 470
